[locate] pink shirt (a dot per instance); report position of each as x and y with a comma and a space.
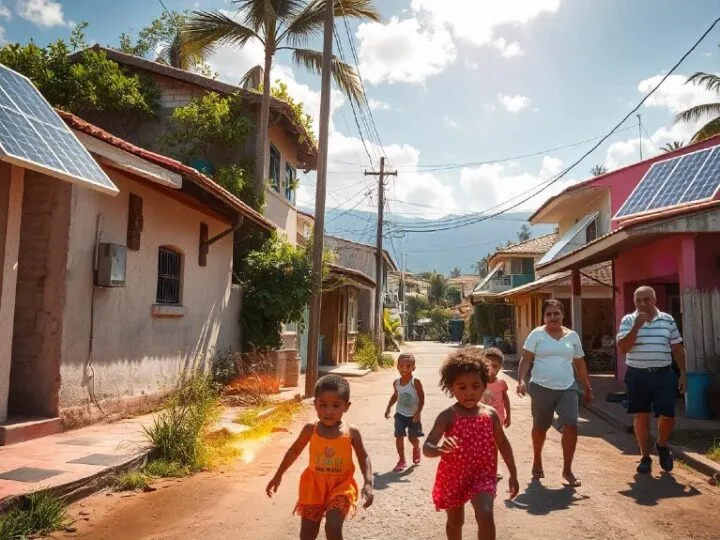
493, 396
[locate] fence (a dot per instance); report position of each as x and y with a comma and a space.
701, 326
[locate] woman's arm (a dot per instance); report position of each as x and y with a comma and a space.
503, 446
290, 456
442, 423
582, 373
525, 360
365, 466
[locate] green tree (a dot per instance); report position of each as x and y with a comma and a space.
671, 146
453, 297
455, 272
481, 267
415, 306
279, 25
439, 319
524, 234
710, 82
438, 289
90, 82
598, 170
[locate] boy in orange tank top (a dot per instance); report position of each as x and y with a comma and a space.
327, 485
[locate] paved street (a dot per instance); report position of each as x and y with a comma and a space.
610, 504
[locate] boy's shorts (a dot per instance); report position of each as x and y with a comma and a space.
404, 426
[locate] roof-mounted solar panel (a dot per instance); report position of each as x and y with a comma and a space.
33, 136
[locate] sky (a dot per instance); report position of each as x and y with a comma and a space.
454, 84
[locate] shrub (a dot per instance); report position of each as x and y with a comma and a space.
161, 468
132, 481
366, 354
387, 361
41, 513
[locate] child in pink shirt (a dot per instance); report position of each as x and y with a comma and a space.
496, 393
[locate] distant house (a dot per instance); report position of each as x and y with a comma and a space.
465, 284
106, 299
660, 226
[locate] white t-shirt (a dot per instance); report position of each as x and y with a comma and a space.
553, 367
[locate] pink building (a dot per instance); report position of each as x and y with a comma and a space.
660, 226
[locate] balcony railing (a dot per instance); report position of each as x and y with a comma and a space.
507, 282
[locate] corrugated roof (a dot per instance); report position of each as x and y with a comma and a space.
598, 273
198, 178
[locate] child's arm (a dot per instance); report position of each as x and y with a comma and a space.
503, 446
365, 466
393, 400
506, 401
421, 399
431, 448
290, 456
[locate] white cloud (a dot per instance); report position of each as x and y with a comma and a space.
5, 12
492, 184
675, 95
44, 13
489, 107
377, 105
477, 21
403, 51
514, 103
508, 50
449, 122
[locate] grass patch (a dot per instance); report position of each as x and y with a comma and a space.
262, 423
132, 481
178, 433
40, 514
161, 468
714, 451
387, 361
702, 441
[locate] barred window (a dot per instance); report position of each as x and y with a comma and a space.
275, 168
169, 274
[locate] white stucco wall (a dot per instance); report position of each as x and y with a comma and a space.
282, 213
11, 193
136, 353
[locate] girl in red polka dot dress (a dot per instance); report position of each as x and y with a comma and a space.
472, 435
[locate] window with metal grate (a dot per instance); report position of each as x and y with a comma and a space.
169, 273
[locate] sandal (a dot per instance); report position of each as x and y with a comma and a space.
416, 456
401, 466
572, 480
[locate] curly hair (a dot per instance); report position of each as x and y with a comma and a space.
468, 360
493, 354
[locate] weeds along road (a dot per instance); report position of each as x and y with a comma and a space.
612, 503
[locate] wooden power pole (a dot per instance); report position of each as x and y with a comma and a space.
379, 260
311, 374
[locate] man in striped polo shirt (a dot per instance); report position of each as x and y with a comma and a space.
650, 340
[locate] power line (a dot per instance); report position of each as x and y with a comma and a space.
595, 147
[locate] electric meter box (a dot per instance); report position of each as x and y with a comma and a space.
112, 263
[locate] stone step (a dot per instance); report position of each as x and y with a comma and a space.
19, 429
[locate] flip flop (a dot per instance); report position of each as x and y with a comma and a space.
572, 480
416, 456
401, 466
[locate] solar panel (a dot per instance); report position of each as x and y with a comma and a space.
32, 135
685, 179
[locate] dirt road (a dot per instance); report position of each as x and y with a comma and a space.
612, 503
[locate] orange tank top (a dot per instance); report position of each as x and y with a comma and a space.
331, 456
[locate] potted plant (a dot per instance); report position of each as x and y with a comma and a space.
712, 364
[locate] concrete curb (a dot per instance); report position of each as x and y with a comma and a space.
692, 459
79, 489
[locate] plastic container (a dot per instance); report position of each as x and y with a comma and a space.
697, 404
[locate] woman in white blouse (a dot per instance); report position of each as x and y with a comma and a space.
556, 353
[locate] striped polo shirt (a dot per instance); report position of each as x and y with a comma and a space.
654, 338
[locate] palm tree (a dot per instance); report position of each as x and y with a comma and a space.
598, 170
671, 146
693, 114
279, 25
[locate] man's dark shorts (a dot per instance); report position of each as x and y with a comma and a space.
651, 390
405, 426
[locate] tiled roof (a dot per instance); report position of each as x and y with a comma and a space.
188, 172
592, 275
535, 246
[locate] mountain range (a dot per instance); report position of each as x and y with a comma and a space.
441, 251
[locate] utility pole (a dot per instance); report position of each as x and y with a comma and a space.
640, 134
311, 374
379, 261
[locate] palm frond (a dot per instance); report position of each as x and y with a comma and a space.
346, 77
693, 114
310, 21
671, 146
258, 13
253, 78
708, 130
709, 80
205, 30
174, 55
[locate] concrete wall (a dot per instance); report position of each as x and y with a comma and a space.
11, 196
135, 352
282, 213
42, 267
600, 203
707, 260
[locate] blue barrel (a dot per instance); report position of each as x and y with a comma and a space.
697, 404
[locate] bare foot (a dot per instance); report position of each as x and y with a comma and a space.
571, 479
537, 471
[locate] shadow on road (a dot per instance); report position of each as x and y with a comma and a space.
539, 500
382, 481
648, 490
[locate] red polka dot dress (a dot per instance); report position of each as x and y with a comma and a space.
472, 468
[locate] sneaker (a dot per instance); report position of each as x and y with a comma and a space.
665, 457
645, 466
416, 456
401, 466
